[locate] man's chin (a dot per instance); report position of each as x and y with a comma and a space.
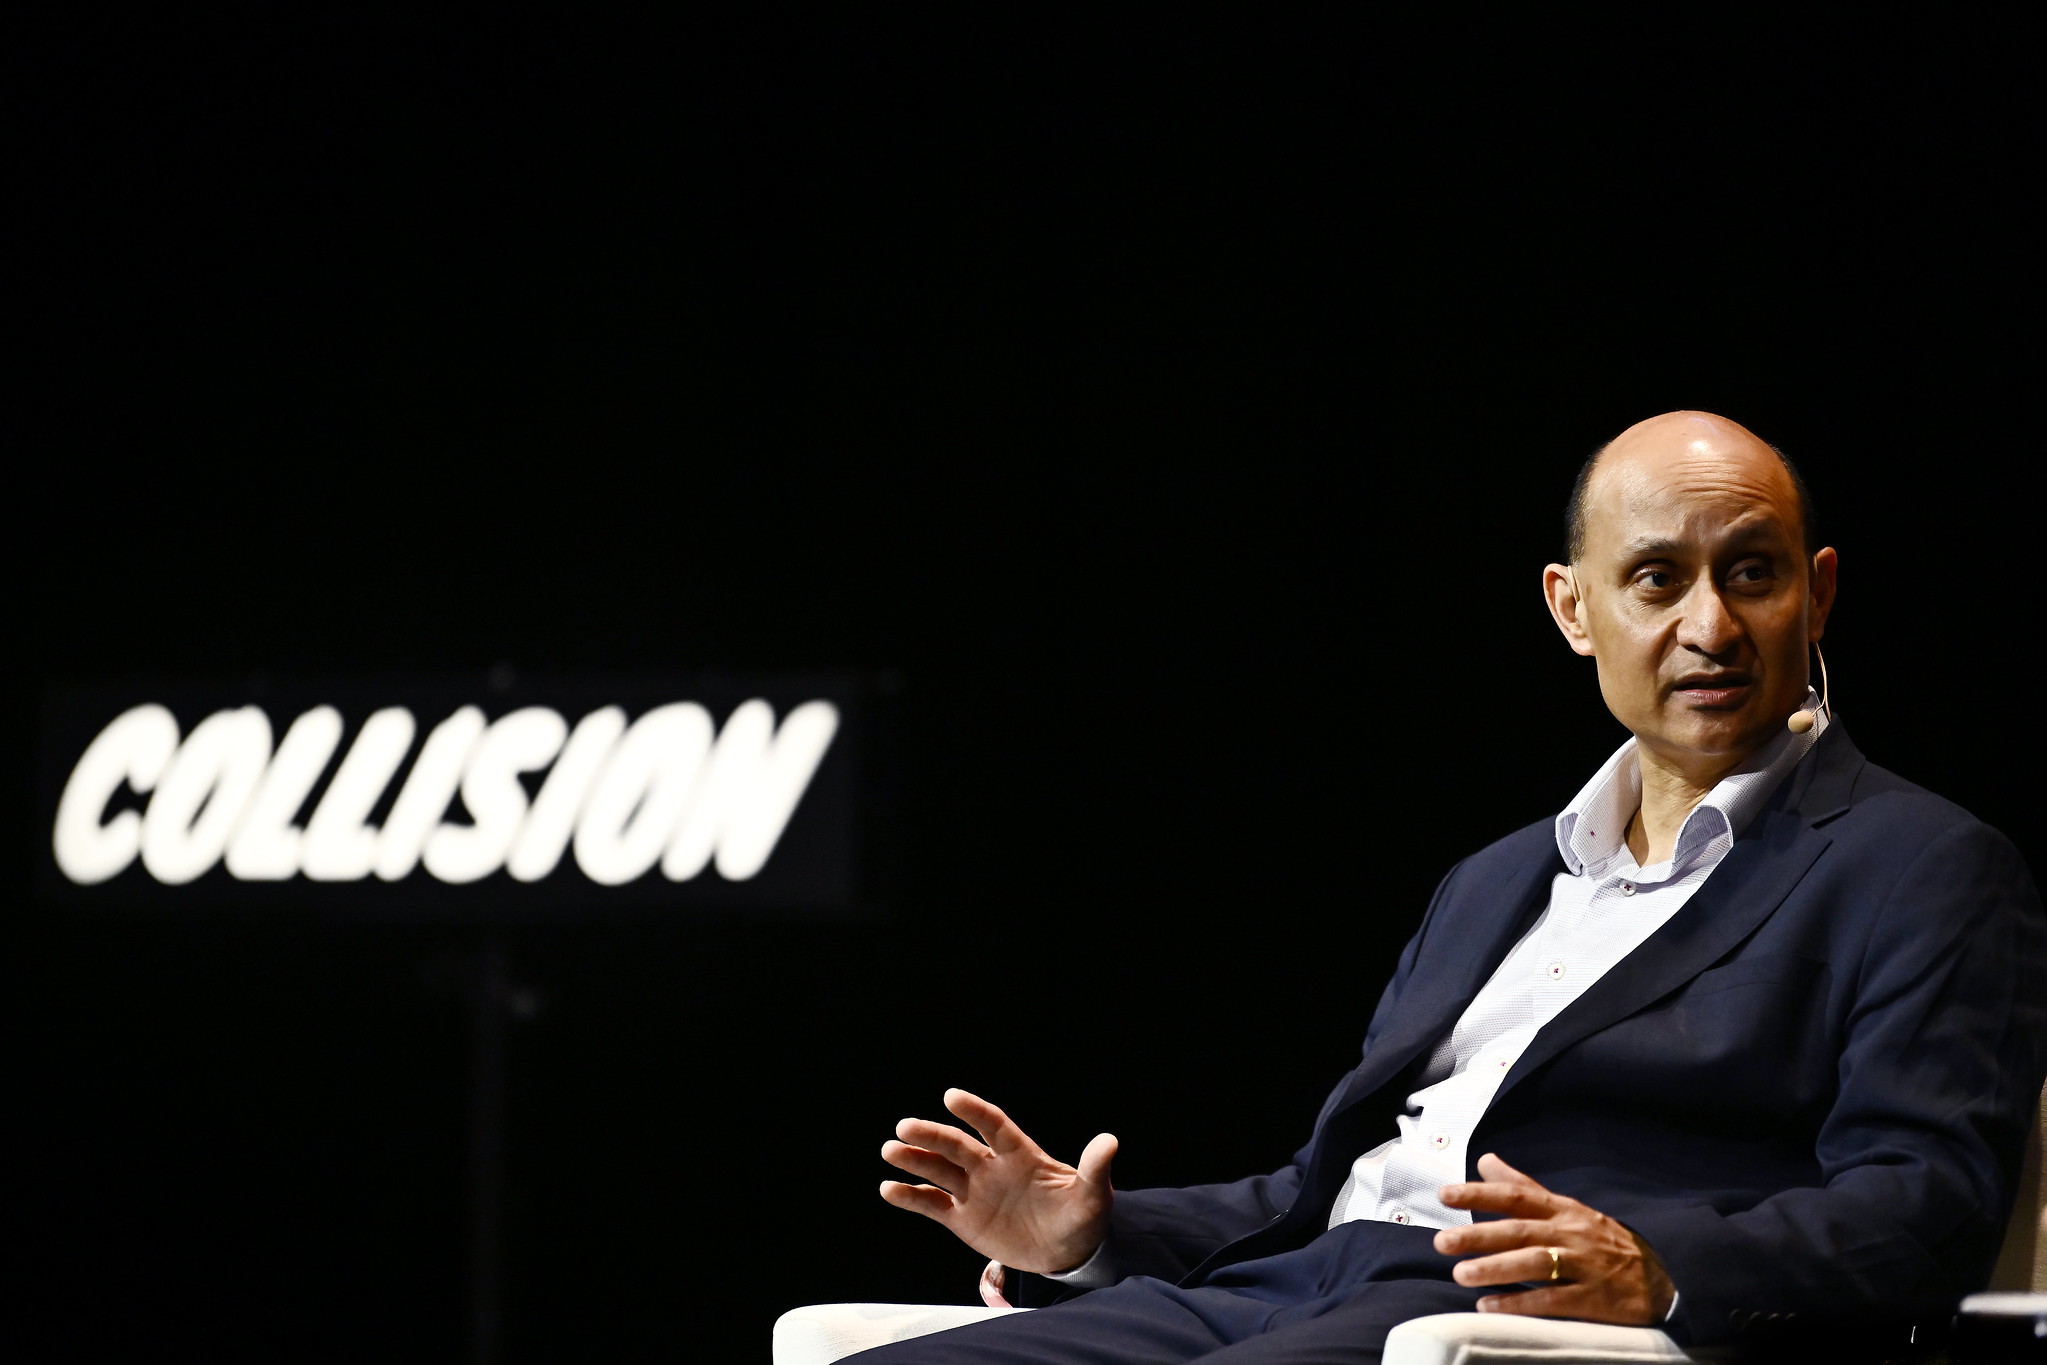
1711, 736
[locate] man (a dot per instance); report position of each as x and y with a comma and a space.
1757, 1024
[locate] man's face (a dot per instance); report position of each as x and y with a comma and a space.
1693, 591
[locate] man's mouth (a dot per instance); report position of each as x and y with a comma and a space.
1712, 690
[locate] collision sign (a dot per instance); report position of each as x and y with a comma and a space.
597, 794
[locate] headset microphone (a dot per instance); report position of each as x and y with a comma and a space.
1802, 719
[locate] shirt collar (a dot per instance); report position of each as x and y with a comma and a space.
1592, 829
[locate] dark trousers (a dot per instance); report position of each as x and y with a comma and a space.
1331, 1302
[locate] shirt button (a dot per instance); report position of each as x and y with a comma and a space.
1627, 888
1503, 1062
1401, 1216
1556, 971
1440, 1141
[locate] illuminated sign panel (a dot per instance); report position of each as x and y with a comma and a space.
731, 796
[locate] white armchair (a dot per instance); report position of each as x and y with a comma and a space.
824, 1333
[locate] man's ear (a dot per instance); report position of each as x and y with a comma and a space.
1825, 564
1560, 591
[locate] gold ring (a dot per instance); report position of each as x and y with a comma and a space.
1556, 1262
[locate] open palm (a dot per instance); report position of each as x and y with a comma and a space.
1001, 1194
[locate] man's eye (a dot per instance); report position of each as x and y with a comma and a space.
1656, 578
1750, 573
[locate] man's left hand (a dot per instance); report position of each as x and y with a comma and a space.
1602, 1271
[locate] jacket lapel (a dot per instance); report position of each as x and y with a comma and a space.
1757, 874
1476, 931
1762, 868
1476, 935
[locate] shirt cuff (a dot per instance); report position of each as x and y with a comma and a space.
1096, 1272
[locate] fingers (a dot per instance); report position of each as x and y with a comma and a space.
1095, 1159
931, 1166
1571, 1301
925, 1199
1509, 1267
1505, 1234
1492, 1168
1486, 1196
984, 1118
948, 1141
1502, 1189
992, 1279
1589, 1302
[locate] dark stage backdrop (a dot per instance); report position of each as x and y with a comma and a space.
1163, 432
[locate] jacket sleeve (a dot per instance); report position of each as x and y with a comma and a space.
1944, 1044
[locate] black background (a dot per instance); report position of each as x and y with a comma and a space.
1176, 410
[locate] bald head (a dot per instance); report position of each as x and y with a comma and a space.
1678, 441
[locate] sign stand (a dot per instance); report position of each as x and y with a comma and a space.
494, 1001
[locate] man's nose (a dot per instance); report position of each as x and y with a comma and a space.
1708, 625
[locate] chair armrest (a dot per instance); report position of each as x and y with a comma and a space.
1515, 1339
825, 1332
2001, 1327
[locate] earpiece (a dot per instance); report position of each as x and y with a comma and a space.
1802, 720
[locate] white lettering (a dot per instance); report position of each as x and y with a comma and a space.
265, 846
559, 805
670, 788
428, 789
632, 810
134, 748
201, 798
521, 742
339, 845
754, 781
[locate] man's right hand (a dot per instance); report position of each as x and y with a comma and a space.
1002, 1195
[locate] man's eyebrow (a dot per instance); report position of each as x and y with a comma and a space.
1642, 549
1651, 547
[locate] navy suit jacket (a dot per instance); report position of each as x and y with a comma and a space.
1808, 1090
